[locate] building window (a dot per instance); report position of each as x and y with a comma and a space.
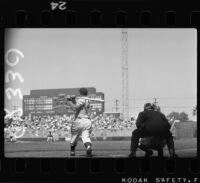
29, 107
44, 107
30, 101
49, 101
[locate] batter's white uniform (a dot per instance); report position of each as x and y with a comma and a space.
82, 126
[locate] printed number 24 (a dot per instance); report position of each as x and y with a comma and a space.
60, 5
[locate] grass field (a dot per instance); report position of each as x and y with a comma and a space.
184, 148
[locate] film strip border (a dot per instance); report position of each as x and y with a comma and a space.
99, 170
100, 14
169, 18
143, 14
143, 18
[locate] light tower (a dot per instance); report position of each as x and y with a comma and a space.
124, 53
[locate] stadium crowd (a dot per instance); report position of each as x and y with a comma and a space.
40, 126
111, 123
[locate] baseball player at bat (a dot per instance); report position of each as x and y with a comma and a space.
81, 126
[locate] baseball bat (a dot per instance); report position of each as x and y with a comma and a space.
92, 99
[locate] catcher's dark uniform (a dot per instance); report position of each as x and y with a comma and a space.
152, 123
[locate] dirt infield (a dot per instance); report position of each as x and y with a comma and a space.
184, 148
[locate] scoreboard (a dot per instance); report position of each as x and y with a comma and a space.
53, 101
97, 107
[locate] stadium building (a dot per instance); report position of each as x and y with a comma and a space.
44, 102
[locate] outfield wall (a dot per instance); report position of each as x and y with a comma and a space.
118, 133
186, 130
181, 130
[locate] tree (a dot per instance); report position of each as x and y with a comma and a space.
178, 116
174, 115
183, 116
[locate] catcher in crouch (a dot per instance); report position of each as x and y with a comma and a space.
81, 125
154, 142
152, 123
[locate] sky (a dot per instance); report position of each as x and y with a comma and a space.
162, 64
